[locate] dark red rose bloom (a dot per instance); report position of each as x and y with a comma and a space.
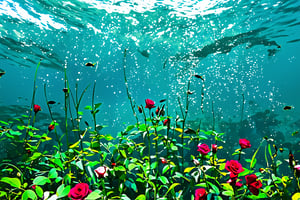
200, 194
163, 160
234, 167
65, 90
291, 159
235, 182
253, 184
166, 122
214, 148
79, 192
101, 172
203, 149
36, 108
149, 103
33, 187
244, 143
51, 127
140, 109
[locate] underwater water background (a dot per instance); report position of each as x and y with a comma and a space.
243, 49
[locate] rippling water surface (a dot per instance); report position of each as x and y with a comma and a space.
242, 49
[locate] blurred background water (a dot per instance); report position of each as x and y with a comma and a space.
241, 48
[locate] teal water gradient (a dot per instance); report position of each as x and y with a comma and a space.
233, 44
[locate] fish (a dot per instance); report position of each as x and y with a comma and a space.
51, 102
287, 107
145, 53
90, 64
198, 76
2, 72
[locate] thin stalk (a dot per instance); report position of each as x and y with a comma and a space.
213, 115
66, 110
132, 104
57, 138
32, 101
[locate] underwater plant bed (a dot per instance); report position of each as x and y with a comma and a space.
158, 157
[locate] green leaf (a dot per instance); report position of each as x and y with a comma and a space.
93, 195
41, 180
141, 197
97, 105
129, 128
39, 191
88, 108
53, 173
171, 188
123, 153
29, 194
63, 191
2, 194
228, 193
120, 168
14, 182
188, 169
35, 156
163, 179
214, 187
15, 132
165, 169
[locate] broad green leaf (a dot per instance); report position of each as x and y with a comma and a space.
214, 187
63, 191
228, 193
141, 197
29, 194
171, 188
88, 107
41, 180
165, 169
2, 194
97, 105
15, 132
39, 191
14, 182
163, 179
35, 156
93, 195
188, 169
120, 168
123, 153
53, 173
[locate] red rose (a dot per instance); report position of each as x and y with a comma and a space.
149, 103
234, 167
163, 160
214, 148
36, 108
51, 127
244, 143
253, 184
200, 194
79, 192
203, 149
101, 172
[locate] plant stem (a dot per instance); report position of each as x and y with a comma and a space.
132, 104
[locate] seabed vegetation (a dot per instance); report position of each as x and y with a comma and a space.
158, 157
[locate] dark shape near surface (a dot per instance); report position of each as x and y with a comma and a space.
287, 107
2, 72
90, 64
51, 102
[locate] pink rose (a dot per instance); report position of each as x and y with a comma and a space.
79, 192
101, 172
244, 143
203, 149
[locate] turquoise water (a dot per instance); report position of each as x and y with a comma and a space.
241, 48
